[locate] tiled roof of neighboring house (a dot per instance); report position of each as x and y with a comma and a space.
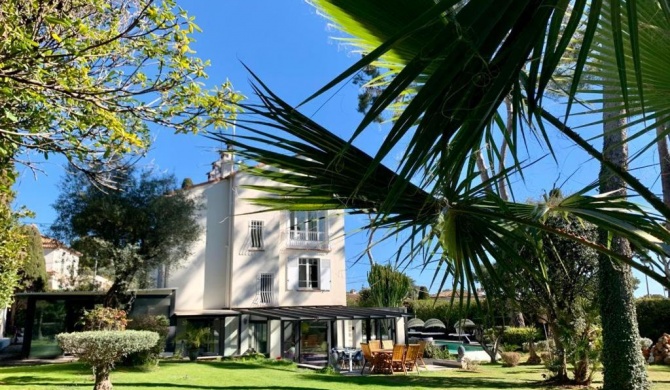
447, 294
52, 243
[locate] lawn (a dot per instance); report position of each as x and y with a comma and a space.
275, 375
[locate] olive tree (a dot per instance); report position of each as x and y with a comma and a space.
101, 349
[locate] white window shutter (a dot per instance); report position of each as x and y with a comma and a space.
292, 274
325, 274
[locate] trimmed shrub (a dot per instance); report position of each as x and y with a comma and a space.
469, 365
101, 349
105, 318
510, 359
149, 357
653, 317
519, 335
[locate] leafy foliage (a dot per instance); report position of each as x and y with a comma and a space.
34, 272
105, 318
388, 287
84, 78
143, 225
653, 317
101, 349
521, 335
433, 351
456, 62
149, 357
13, 242
448, 312
193, 335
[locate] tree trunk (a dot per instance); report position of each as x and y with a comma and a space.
664, 162
623, 364
102, 381
560, 358
117, 296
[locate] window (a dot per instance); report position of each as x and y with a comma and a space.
308, 273
307, 225
265, 288
256, 234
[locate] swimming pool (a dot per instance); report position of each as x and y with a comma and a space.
453, 346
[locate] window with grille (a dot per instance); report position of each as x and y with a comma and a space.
308, 273
256, 233
266, 287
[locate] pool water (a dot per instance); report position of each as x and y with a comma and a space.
453, 346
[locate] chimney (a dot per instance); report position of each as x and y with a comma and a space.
224, 166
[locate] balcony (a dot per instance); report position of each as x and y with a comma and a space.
300, 239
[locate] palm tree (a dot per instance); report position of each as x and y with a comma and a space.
453, 63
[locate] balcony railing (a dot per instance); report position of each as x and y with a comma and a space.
301, 239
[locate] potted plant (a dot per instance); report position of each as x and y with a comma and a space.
193, 337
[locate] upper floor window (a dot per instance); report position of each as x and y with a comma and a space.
308, 273
256, 234
307, 226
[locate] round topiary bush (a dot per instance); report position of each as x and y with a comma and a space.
101, 349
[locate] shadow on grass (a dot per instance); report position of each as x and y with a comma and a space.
253, 365
25, 380
56, 368
441, 382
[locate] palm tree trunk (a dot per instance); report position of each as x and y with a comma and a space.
516, 316
664, 162
623, 364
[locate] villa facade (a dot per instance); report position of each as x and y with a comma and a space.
273, 282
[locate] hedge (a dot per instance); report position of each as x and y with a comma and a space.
149, 357
444, 311
520, 335
653, 317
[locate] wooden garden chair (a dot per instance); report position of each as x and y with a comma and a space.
374, 345
422, 349
387, 344
367, 357
398, 359
410, 358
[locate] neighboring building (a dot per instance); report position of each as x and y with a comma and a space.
62, 264
259, 279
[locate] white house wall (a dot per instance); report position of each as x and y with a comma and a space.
189, 277
249, 264
62, 266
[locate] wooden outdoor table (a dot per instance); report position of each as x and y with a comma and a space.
382, 361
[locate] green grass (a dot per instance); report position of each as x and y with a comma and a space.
277, 375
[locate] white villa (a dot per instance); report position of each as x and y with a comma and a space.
273, 282
62, 264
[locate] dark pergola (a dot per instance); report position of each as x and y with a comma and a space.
323, 313
328, 314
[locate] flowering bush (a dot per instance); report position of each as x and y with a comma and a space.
105, 318
101, 349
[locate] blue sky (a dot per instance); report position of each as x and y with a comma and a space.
292, 50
